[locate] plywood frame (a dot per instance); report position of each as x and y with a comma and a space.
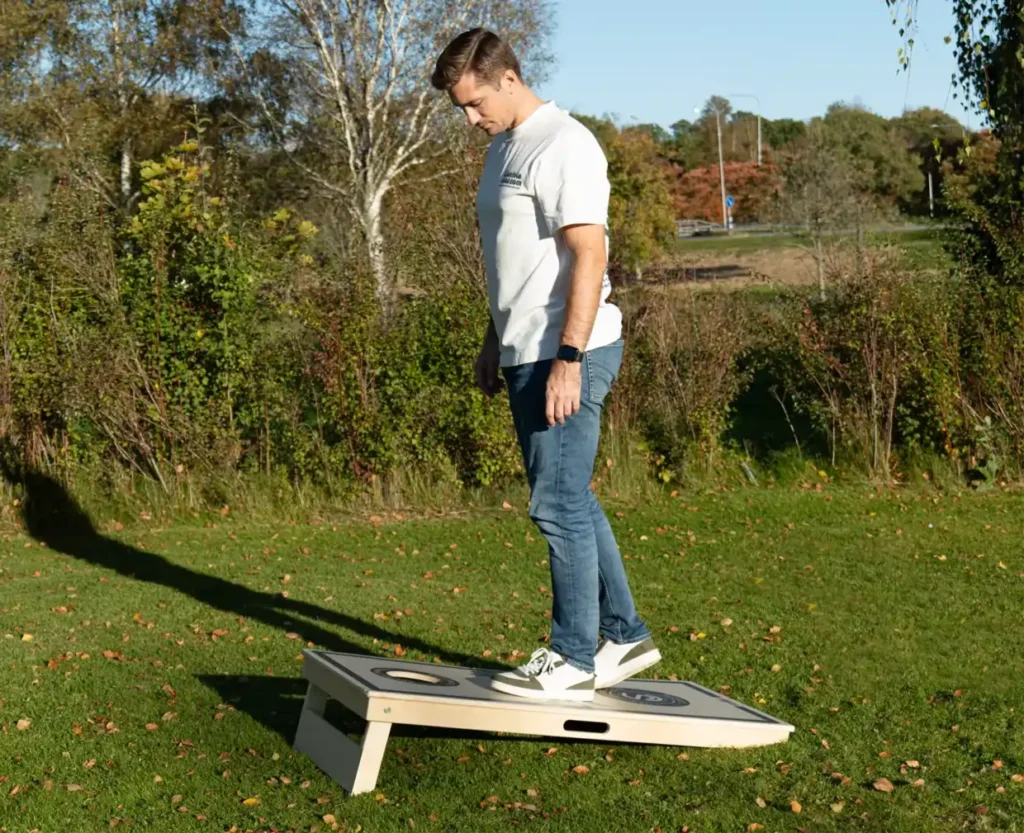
356, 766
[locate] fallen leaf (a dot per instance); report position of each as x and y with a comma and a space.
292, 635
329, 818
760, 802
551, 752
73, 788
914, 764
581, 770
918, 783
26, 637
726, 622
251, 802
1017, 777
151, 726
754, 826
776, 668
795, 806
23, 724
997, 765
883, 785
462, 759
837, 807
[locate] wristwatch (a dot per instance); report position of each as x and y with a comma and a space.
568, 353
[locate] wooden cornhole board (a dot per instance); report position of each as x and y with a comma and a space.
386, 691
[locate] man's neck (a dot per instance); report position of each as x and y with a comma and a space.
529, 105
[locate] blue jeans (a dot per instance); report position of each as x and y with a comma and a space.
591, 593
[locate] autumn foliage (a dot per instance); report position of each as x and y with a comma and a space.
697, 193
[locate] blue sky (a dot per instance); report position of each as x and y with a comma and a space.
655, 60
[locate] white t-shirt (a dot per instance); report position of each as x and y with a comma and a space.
547, 173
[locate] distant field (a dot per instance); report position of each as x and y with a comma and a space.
742, 260
739, 242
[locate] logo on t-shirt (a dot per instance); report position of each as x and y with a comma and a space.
512, 179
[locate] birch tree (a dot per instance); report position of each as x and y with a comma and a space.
358, 83
89, 76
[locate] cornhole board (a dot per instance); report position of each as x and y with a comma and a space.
386, 691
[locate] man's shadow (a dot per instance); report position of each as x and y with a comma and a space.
52, 516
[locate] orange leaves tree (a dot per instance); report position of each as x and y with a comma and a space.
697, 194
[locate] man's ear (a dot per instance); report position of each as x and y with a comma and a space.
509, 80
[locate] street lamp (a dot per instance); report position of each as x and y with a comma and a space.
749, 95
721, 161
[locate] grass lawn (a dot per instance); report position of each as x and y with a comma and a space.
923, 247
150, 676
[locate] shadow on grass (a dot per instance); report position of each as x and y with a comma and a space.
52, 516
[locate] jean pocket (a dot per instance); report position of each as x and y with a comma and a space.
602, 369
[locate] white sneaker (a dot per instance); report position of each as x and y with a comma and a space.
614, 661
547, 676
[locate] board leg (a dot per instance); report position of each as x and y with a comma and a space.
353, 765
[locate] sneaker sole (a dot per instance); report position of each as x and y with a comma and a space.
630, 669
538, 694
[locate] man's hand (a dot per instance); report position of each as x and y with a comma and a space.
563, 394
488, 366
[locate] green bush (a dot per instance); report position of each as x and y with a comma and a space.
680, 375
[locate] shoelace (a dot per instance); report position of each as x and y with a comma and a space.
541, 662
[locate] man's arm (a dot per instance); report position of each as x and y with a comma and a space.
587, 245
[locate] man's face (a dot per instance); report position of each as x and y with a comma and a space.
486, 106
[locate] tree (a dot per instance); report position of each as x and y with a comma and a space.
682, 129
716, 104
884, 175
640, 211
659, 135
357, 87
89, 78
780, 133
818, 191
935, 137
697, 194
641, 217
690, 146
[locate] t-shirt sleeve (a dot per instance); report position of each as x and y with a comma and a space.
572, 181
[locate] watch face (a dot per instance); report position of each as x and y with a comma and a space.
569, 354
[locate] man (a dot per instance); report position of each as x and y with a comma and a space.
542, 210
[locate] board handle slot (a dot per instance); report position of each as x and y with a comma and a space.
589, 726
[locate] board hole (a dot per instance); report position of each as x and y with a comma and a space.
414, 676
585, 726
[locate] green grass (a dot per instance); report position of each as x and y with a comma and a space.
737, 243
923, 247
893, 618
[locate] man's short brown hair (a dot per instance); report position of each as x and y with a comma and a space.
478, 51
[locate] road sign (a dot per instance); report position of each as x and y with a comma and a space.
729, 201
